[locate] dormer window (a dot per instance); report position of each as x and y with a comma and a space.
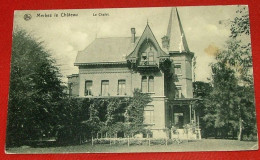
144, 57
147, 55
151, 57
147, 58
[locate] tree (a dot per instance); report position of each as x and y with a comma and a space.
239, 53
135, 111
230, 106
222, 98
240, 25
201, 91
35, 90
91, 116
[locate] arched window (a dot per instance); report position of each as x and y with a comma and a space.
144, 84
151, 84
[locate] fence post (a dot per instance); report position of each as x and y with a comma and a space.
114, 139
149, 142
110, 140
128, 141
187, 135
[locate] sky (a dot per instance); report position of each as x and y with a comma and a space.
64, 36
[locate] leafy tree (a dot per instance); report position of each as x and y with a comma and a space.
230, 107
72, 121
102, 115
240, 25
135, 111
238, 53
222, 98
202, 90
35, 90
126, 114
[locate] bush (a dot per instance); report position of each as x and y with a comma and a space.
137, 142
102, 141
251, 137
161, 141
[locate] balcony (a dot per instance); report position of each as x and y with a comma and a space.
148, 63
147, 66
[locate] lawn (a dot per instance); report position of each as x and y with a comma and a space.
199, 145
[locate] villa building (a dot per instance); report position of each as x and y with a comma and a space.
115, 66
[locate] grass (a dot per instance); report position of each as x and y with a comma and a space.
199, 145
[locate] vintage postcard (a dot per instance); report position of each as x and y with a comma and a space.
163, 79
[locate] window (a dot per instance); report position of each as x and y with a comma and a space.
148, 117
144, 57
121, 87
151, 84
144, 84
151, 58
104, 87
149, 114
178, 93
177, 69
147, 84
147, 58
88, 88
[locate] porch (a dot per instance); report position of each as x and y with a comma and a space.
183, 120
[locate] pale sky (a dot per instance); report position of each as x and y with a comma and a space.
65, 36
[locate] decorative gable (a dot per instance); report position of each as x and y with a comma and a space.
147, 52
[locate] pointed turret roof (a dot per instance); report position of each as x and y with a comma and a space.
175, 33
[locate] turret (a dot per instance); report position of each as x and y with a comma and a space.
176, 44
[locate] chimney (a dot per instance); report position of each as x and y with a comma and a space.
165, 42
133, 35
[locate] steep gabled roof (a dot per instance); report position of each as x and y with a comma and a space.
116, 49
176, 33
147, 34
105, 50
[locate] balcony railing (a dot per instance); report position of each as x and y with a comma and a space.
148, 63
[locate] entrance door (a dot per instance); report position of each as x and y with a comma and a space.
178, 120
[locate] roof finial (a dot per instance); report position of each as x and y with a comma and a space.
147, 21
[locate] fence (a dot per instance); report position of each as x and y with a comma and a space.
135, 141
